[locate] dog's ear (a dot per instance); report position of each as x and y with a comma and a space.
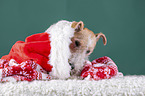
78, 26
98, 35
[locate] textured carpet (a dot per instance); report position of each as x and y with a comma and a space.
123, 86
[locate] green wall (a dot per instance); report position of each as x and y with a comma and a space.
122, 21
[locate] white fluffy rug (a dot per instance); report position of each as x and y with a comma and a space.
123, 86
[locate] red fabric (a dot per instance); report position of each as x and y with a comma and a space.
28, 70
36, 47
101, 68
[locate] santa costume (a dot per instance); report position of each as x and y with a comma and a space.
49, 49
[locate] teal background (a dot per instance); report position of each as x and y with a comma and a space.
122, 21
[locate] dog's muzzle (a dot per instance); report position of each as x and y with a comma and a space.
72, 66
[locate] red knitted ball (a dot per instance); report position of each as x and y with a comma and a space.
101, 68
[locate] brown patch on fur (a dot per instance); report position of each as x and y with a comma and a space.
78, 26
81, 38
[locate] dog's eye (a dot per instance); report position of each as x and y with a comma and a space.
77, 43
88, 51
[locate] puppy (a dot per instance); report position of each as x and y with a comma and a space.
83, 44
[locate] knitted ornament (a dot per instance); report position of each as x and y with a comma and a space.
49, 49
101, 68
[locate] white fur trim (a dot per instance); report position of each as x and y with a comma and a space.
60, 37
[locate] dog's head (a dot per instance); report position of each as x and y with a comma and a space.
83, 44
84, 39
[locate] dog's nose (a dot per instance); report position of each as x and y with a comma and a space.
72, 66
